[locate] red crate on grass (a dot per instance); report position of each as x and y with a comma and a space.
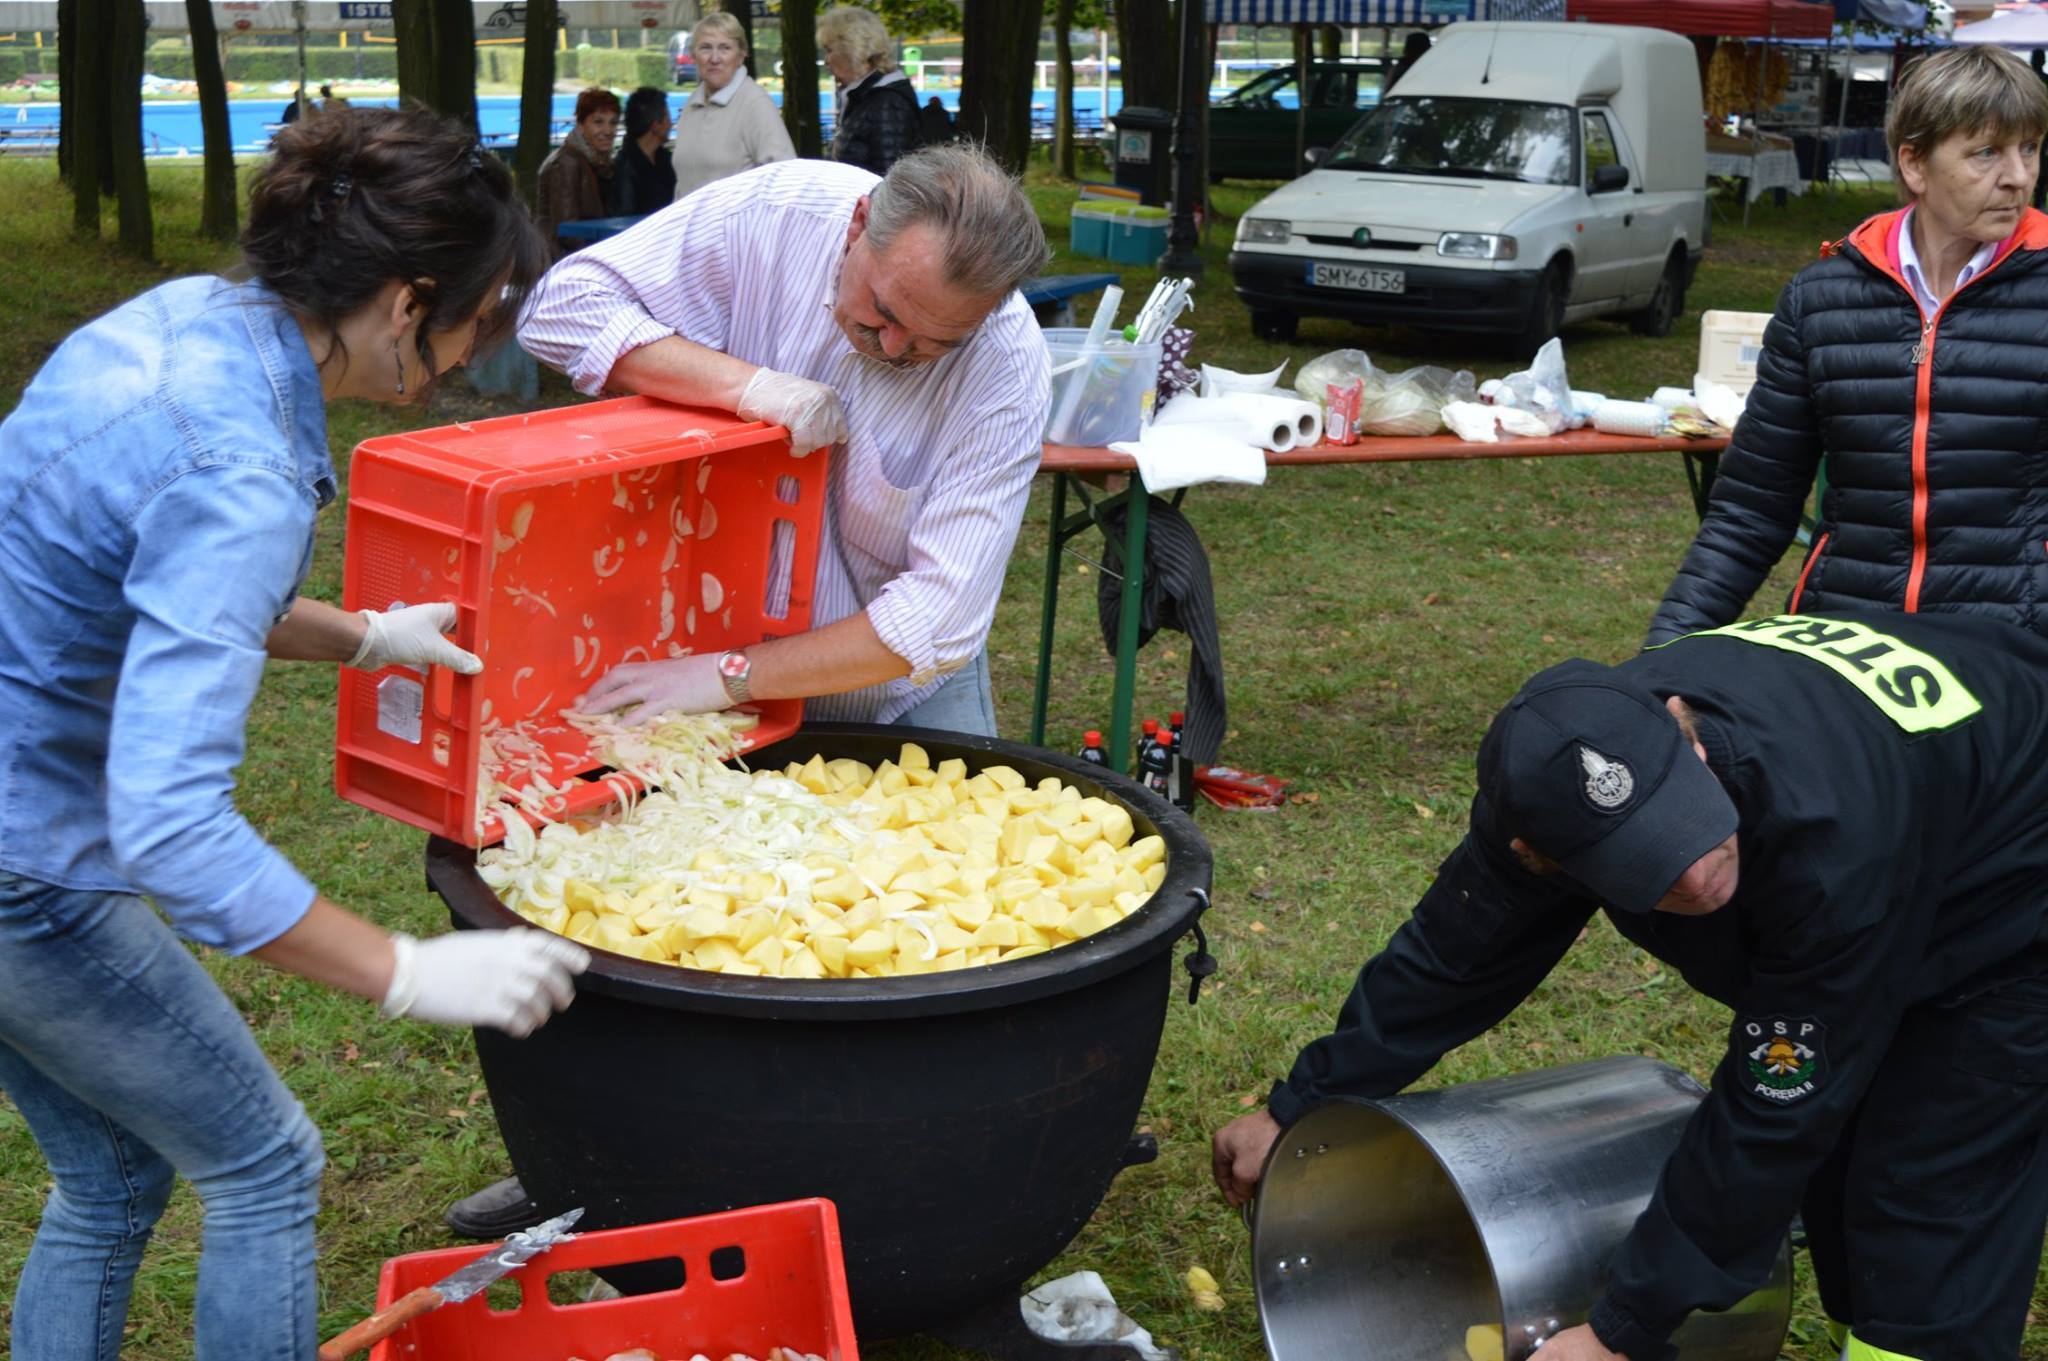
754, 1279
570, 540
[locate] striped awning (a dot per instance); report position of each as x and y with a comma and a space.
1352, 13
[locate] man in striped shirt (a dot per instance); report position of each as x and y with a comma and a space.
878, 319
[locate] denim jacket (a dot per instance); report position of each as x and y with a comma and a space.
158, 485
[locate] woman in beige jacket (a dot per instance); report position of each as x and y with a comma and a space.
730, 123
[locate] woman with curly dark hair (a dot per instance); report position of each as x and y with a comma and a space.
158, 488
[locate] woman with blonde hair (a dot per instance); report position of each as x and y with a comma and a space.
879, 119
730, 123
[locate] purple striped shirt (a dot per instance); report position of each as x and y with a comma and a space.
927, 493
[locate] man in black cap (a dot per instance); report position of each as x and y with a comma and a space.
1838, 827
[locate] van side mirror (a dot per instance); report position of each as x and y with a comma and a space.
1315, 156
1608, 178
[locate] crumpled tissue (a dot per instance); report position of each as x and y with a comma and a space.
1173, 456
1079, 1308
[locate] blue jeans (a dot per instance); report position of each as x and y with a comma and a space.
963, 704
129, 1064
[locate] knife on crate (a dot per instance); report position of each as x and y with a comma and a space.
464, 1283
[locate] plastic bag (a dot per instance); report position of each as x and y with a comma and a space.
1312, 380
1412, 402
1218, 382
1541, 389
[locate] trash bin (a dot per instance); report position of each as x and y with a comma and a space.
1144, 139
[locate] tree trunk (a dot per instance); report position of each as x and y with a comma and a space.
1063, 89
998, 57
536, 95
800, 76
217, 192
1148, 48
455, 60
412, 31
743, 10
90, 72
124, 113
67, 87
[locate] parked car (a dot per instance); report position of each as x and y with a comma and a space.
1520, 177
1252, 129
682, 67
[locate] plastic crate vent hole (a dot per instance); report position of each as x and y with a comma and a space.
781, 563
728, 1264
503, 1296
788, 490
650, 1276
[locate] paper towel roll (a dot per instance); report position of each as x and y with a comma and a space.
1305, 417
1273, 430
1630, 418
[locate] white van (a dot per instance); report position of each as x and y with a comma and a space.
1520, 176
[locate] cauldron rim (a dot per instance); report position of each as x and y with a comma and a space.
1171, 911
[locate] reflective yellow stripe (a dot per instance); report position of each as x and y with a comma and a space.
1859, 1350
1912, 688
1838, 1333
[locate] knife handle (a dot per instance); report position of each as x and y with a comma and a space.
381, 1324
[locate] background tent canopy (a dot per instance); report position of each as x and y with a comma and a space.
328, 16
1349, 13
1713, 18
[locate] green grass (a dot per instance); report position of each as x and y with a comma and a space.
1373, 618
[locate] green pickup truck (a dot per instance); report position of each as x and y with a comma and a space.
1252, 129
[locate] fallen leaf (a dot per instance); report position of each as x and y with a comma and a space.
478, 1095
1258, 928
349, 1052
1248, 1100
1423, 810
1331, 927
1432, 598
1304, 798
457, 1113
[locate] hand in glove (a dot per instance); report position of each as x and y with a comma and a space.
809, 411
687, 685
508, 980
413, 636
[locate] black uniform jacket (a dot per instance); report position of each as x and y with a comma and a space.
641, 184
1935, 433
880, 125
1891, 776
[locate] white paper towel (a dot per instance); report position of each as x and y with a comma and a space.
1216, 382
1224, 416
1630, 418
1171, 456
1673, 399
1472, 422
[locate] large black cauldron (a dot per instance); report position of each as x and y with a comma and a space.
966, 1124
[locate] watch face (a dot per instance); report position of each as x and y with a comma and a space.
733, 665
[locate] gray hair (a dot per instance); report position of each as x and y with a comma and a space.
1968, 91
719, 24
856, 34
992, 238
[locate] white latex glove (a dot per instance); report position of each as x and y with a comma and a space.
687, 685
508, 980
809, 411
413, 636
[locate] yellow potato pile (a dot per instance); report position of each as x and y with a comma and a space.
964, 870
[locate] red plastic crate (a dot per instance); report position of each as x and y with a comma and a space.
791, 1292
570, 540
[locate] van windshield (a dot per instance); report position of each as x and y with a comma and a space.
1486, 139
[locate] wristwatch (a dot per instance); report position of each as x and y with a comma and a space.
733, 669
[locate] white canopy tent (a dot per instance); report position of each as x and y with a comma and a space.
2024, 27
367, 16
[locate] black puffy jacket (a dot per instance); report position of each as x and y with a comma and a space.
1935, 433
880, 124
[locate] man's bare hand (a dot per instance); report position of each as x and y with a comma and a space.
1238, 1154
1577, 1344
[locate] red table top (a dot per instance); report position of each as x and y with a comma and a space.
1068, 458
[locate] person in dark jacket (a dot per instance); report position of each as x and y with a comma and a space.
575, 179
1837, 826
643, 176
1412, 51
1909, 358
879, 118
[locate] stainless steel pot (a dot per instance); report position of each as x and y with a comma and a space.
1385, 1229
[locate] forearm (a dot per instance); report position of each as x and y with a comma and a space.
842, 656
332, 945
684, 372
315, 631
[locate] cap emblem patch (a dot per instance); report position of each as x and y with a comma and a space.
1608, 783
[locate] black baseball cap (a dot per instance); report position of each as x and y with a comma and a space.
1589, 768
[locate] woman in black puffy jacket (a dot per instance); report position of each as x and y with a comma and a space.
879, 118
1913, 358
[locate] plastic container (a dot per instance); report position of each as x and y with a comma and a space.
1088, 227
570, 540
1100, 398
1137, 236
753, 1279
1729, 345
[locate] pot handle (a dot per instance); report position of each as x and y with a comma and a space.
1201, 963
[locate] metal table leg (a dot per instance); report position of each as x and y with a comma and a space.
1055, 540
1135, 507
1700, 470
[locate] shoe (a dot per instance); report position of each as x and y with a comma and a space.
501, 1208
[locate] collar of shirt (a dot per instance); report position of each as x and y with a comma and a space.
720, 97
295, 380
1916, 274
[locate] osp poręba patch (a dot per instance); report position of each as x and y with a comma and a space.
1782, 1055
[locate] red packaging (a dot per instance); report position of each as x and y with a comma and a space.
1340, 411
